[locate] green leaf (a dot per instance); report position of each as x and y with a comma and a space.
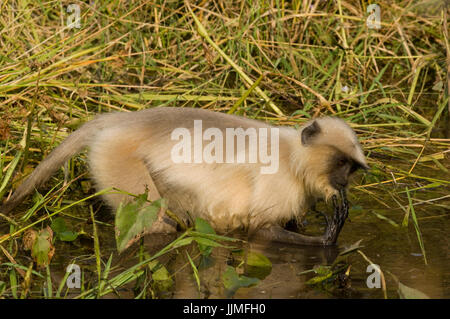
406, 292
162, 281
134, 219
42, 250
58, 225
205, 242
232, 281
62, 231
204, 245
318, 279
202, 226
258, 265
195, 270
183, 242
324, 272
211, 236
67, 235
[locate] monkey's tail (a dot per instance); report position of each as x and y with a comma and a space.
71, 146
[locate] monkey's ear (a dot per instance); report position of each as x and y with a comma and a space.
309, 132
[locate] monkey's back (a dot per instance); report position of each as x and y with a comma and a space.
133, 150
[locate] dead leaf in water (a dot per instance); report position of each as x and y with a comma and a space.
28, 238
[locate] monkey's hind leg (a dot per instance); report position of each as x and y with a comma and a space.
279, 234
114, 163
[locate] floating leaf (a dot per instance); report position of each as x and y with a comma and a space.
134, 219
62, 231
68, 236
43, 250
258, 265
232, 281
58, 225
162, 281
406, 292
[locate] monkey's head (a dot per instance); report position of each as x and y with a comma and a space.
329, 154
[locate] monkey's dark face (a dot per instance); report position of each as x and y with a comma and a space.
331, 154
340, 168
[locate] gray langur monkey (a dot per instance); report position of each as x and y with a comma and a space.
139, 151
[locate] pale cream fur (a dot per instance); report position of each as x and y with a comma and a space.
131, 151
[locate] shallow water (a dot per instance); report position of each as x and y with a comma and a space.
395, 249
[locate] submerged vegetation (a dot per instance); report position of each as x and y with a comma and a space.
278, 61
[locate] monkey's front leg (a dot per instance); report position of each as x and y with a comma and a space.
279, 234
340, 215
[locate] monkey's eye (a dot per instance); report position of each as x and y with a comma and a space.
341, 162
